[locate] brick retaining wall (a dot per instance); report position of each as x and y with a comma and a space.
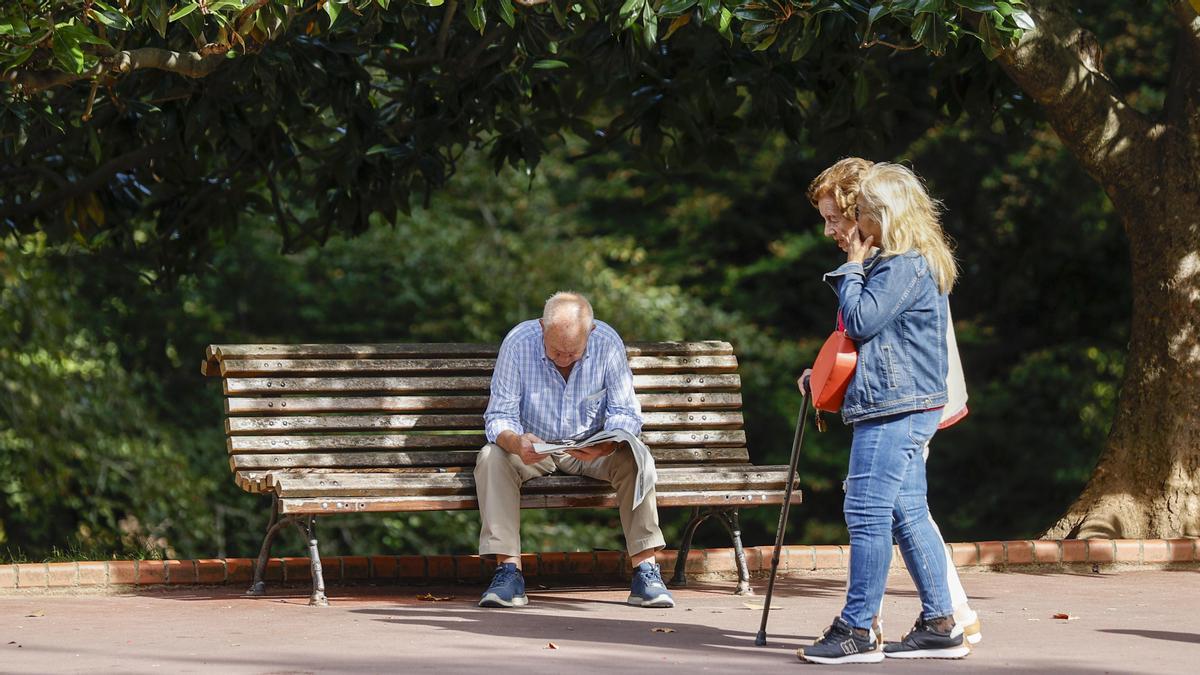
711, 564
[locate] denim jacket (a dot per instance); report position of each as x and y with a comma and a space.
895, 314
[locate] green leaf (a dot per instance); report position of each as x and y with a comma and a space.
185, 10
674, 7
68, 53
110, 20
877, 12
20, 58
549, 64
477, 17
507, 15
649, 26
1024, 21
989, 38
333, 10
980, 6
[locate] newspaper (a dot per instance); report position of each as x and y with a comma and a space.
647, 474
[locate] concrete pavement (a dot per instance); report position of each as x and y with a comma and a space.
1127, 622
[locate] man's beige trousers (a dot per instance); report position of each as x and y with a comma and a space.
498, 479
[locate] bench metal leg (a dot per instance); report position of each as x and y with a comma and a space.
309, 530
729, 518
259, 586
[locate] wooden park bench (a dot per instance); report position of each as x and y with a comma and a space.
334, 429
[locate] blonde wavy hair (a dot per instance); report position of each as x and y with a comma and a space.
840, 181
894, 197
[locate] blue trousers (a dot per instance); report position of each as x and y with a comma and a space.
886, 498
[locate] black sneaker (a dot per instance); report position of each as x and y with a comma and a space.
930, 639
842, 644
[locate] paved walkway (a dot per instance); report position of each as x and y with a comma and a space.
1136, 622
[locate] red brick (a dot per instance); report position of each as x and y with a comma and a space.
828, 557
298, 569
470, 568
665, 558
720, 560
1181, 549
1046, 551
151, 572
383, 567
1101, 551
441, 567
610, 563
8, 576
529, 565
795, 558
964, 554
553, 564
1155, 551
991, 553
1129, 550
62, 575
582, 563
93, 574
411, 567
758, 558
274, 571
181, 571
1019, 552
239, 570
122, 572
1074, 550
331, 569
32, 575
356, 567
210, 571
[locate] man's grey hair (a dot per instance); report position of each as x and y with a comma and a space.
568, 309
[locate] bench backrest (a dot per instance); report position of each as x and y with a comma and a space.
419, 407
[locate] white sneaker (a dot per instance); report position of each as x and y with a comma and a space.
969, 620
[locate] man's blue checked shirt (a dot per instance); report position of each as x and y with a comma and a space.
530, 395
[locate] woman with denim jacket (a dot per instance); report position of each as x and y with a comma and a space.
894, 306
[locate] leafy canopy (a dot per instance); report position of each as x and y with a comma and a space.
159, 124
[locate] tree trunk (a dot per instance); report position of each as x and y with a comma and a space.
1147, 480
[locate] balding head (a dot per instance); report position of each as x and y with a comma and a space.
567, 321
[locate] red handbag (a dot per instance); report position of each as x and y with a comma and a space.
833, 369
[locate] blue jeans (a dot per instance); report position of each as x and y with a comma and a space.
885, 497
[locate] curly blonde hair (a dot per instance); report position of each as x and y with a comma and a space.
840, 181
895, 198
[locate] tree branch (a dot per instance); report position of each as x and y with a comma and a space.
444, 29
1182, 106
1057, 64
188, 64
90, 183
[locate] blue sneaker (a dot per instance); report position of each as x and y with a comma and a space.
507, 589
648, 588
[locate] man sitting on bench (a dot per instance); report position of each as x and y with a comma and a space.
559, 377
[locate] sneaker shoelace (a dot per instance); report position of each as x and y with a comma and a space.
503, 576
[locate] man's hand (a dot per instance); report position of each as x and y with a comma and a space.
521, 446
592, 453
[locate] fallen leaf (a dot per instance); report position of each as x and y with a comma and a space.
751, 605
550, 645
1065, 616
658, 629
36, 613
430, 597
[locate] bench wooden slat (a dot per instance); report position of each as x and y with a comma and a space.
400, 385
726, 363
462, 483
278, 405
448, 459
277, 444
742, 499
429, 350
259, 426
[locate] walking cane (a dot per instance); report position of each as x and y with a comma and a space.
761, 639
